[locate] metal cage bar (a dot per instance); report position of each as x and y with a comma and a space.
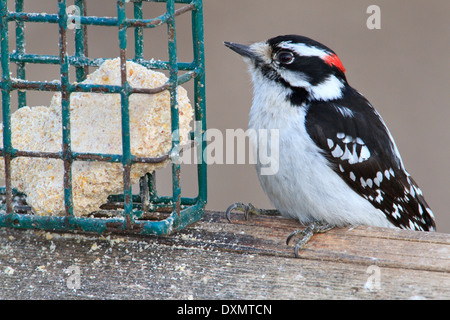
20, 49
65, 106
81, 47
183, 210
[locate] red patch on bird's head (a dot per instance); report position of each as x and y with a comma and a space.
333, 60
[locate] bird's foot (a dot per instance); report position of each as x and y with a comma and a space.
249, 209
304, 235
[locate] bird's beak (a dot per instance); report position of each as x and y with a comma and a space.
243, 50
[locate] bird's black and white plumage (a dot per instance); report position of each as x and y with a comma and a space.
338, 163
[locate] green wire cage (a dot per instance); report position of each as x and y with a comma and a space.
133, 212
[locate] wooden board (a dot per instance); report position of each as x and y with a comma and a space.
214, 259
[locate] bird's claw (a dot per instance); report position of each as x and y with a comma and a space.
304, 235
246, 208
249, 209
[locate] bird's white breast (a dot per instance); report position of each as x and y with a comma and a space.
304, 186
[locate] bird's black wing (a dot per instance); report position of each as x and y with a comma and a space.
355, 140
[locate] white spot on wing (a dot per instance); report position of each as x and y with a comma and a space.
350, 152
363, 182
418, 191
364, 155
376, 181
379, 197
392, 172
330, 143
430, 212
396, 214
347, 139
354, 158
380, 176
411, 191
347, 155
337, 152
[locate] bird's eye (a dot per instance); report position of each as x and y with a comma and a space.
284, 57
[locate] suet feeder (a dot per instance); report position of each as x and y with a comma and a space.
145, 212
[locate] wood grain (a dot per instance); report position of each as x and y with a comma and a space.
214, 259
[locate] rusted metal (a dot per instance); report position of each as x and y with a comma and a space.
152, 160
159, 20
99, 21
79, 87
79, 61
178, 195
83, 156
65, 108
9, 205
125, 113
81, 42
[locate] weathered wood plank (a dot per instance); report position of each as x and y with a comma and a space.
217, 260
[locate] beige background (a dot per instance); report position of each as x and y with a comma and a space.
403, 69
